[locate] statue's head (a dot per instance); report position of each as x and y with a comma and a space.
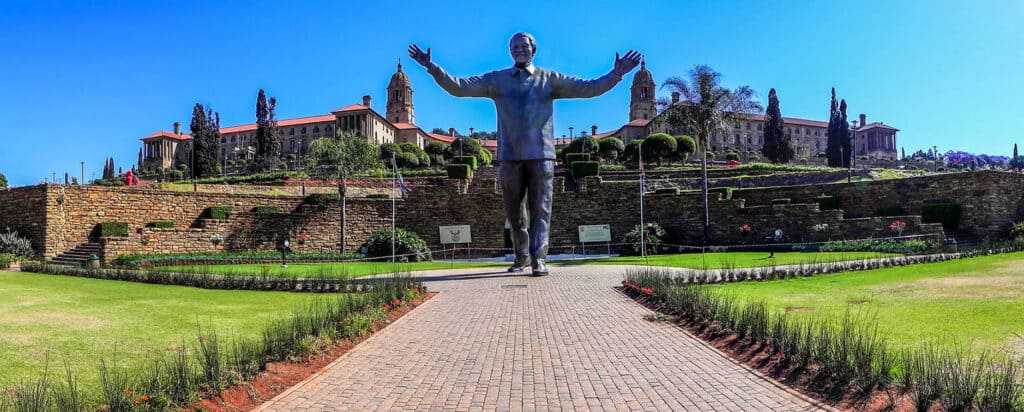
523, 47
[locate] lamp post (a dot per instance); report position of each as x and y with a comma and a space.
643, 230
82, 176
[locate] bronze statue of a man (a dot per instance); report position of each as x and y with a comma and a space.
523, 96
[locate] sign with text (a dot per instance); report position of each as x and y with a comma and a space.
455, 234
595, 233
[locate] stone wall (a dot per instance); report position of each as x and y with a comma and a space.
21, 210
59, 218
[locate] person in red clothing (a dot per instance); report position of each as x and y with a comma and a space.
129, 178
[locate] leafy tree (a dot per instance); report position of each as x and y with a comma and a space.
407, 160
436, 152
777, 145
421, 156
708, 108
732, 155
631, 152
583, 145
205, 128
660, 146
467, 147
387, 151
685, 147
268, 142
610, 148
338, 158
3, 181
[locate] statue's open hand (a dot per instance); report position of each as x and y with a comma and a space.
627, 63
421, 57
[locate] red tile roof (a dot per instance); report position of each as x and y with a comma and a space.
282, 123
351, 108
166, 134
403, 126
639, 122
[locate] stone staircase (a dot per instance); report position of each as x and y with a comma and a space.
79, 255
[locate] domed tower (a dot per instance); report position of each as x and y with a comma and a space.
399, 107
641, 95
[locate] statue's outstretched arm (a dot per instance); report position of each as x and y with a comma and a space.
567, 87
476, 86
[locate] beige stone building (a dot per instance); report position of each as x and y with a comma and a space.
809, 137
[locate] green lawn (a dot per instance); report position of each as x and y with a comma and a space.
81, 320
728, 259
977, 301
340, 270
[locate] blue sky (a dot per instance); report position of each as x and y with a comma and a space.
83, 80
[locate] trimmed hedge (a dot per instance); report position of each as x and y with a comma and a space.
725, 191
161, 224
408, 246
667, 191
218, 212
584, 168
266, 210
321, 199
826, 202
378, 196
459, 171
465, 160
571, 158
890, 211
107, 229
946, 213
781, 201
227, 258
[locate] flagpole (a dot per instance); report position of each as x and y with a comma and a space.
394, 166
643, 230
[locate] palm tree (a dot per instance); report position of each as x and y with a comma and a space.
339, 158
706, 108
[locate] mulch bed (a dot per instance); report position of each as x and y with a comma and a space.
766, 360
280, 376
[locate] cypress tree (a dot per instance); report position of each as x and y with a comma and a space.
205, 129
903, 153
1014, 150
777, 146
273, 137
267, 150
833, 143
844, 136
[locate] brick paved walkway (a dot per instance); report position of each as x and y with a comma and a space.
491, 341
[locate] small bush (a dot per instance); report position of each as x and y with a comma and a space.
459, 171
912, 246
946, 213
466, 160
321, 199
826, 202
254, 178
890, 211
107, 229
1017, 231
583, 168
378, 196
218, 212
571, 158
161, 224
667, 191
732, 156
6, 259
781, 201
11, 243
725, 191
651, 236
108, 182
408, 246
266, 210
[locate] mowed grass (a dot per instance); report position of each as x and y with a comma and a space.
975, 303
720, 260
333, 270
83, 320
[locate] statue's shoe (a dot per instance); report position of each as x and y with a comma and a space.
539, 268
516, 269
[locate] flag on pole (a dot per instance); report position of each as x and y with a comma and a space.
402, 188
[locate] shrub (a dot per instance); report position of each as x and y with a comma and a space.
11, 243
266, 210
1017, 231
584, 168
781, 201
253, 178
651, 236
6, 259
890, 211
408, 246
459, 171
710, 155
571, 158
108, 182
725, 191
378, 196
912, 246
408, 160
667, 191
107, 229
826, 202
731, 155
946, 213
218, 212
466, 160
176, 175
161, 224
321, 199
224, 258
